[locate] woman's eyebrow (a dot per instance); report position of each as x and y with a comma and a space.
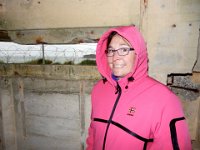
124, 45
110, 46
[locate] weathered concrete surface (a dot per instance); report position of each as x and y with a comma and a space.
197, 63
46, 111
196, 79
191, 109
44, 107
58, 35
70, 72
9, 138
172, 36
48, 14
33, 21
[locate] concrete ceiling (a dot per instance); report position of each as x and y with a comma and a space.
50, 21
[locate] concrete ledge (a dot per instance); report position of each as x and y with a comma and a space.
67, 72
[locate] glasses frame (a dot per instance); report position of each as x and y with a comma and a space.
117, 50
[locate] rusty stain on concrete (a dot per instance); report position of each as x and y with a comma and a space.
145, 3
19, 34
39, 40
174, 25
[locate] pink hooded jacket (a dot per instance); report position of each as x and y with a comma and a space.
135, 112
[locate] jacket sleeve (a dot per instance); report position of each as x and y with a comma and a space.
90, 139
170, 130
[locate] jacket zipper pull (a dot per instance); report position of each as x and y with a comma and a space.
117, 88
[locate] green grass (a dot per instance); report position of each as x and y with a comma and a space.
56, 63
88, 62
2, 62
69, 63
39, 61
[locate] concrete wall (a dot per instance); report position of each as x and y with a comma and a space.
47, 107
171, 29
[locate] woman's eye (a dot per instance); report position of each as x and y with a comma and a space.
124, 49
110, 51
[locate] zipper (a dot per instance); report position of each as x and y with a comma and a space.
119, 91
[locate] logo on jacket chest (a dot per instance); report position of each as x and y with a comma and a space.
131, 111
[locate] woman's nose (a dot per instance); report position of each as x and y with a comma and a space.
115, 55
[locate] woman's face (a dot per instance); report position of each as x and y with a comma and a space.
120, 65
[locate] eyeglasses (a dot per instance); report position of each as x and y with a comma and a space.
121, 51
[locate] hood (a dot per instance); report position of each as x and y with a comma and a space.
131, 34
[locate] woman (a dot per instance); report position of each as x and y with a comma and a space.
130, 110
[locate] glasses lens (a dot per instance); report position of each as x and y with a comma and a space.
123, 51
109, 52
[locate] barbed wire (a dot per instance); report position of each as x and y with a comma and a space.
15, 53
